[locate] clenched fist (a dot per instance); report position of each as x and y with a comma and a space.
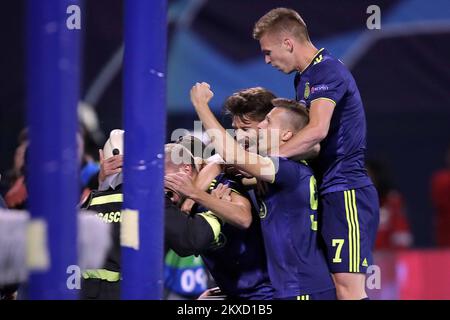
201, 94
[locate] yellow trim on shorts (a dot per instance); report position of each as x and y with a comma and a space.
358, 241
351, 212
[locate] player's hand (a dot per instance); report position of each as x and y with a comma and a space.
201, 94
210, 293
181, 183
222, 192
109, 166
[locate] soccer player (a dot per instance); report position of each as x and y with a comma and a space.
288, 212
236, 258
348, 199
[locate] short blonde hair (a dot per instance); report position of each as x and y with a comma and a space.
281, 19
177, 154
298, 113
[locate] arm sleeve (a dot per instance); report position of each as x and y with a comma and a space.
327, 82
189, 234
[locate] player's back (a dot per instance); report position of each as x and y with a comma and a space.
288, 215
238, 264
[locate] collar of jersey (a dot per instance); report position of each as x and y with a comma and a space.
312, 60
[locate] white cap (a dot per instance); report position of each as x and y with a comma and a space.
115, 141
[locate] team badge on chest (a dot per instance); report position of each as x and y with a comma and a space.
307, 91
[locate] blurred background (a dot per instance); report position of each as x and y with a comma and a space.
403, 74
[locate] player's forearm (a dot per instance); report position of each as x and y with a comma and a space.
206, 175
233, 213
304, 145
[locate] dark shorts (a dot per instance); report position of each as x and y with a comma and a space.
324, 295
349, 222
97, 289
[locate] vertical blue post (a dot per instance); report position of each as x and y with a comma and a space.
145, 117
53, 66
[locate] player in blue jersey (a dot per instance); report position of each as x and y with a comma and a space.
288, 212
348, 199
236, 258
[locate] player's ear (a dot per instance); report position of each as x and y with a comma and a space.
287, 135
288, 44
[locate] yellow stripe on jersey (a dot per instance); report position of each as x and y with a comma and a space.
213, 222
328, 99
107, 199
235, 191
313, 223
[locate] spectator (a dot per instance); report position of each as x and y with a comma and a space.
16, 193
440, 195
393, 231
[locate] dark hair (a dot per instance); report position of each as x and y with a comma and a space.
281, 19
253, 103
299, 114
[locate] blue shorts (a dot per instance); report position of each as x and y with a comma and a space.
324, 295
349, 222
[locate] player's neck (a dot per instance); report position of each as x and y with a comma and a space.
305, 56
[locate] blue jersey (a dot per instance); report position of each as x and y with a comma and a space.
340, 164
238, 263
288, 215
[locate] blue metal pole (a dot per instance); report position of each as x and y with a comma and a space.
53, 66
145, 117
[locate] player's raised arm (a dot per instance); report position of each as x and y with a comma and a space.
256, 165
